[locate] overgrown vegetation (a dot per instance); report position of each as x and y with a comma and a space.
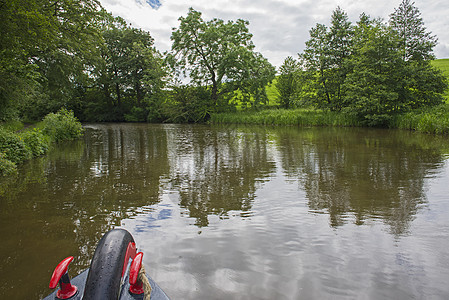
16, 147
429, 120
372, 73
299, 117
76, 55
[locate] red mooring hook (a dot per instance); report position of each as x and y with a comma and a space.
60, 275
136, 285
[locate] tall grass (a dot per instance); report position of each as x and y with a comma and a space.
429, 120
298, 117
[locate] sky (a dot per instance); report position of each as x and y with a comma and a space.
280, 28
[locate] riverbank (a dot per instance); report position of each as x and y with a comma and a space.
18, 144
433, 120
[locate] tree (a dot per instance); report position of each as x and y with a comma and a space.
287, 82
315, 61
415, 42
324, 58
45, 48
25, 27
422, 83
127, 75
373, 87
340, 39
219, 55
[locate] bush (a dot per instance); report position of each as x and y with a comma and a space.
7, 167
62, 126
137, 114
13, 147
35, 141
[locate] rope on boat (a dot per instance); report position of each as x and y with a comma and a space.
146, 283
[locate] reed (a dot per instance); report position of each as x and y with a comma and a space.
430, 120
297, 117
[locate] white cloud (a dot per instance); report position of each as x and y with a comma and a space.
279, 27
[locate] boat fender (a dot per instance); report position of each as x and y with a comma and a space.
106, 269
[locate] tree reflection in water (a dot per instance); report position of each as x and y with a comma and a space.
367, 173
65, 201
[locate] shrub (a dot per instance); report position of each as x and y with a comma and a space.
13, 147
35, 141
62, 126
137, 114
7, 167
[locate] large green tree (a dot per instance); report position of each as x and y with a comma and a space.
324, 58
287, 82
219, 55
127, 75
416, 43
382, 83
45, 48
373, 86
422, 83
26, 27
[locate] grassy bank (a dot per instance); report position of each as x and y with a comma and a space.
431, 120
298, 117
18, 146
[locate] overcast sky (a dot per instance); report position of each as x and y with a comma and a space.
279, 27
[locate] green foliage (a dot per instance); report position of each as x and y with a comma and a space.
137, 114
429, 120
187, 104
298, 117
45, 48
324, 59
372, 71
62, 126
35, 141
220, 55
416, 43
7, 167
372, 88
12, 125
287, 83
13, 147
16, 147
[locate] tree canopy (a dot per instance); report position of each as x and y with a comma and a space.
220, 55
75, 55
373, 69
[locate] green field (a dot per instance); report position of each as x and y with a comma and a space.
443, 65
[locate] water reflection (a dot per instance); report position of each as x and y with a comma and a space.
64, 202
217, 171
170, 183
375, 174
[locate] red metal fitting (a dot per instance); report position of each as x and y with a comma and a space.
136, 285
131, 252
60, 275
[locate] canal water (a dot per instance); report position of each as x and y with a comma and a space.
237, 212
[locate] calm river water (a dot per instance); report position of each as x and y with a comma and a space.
236, 212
